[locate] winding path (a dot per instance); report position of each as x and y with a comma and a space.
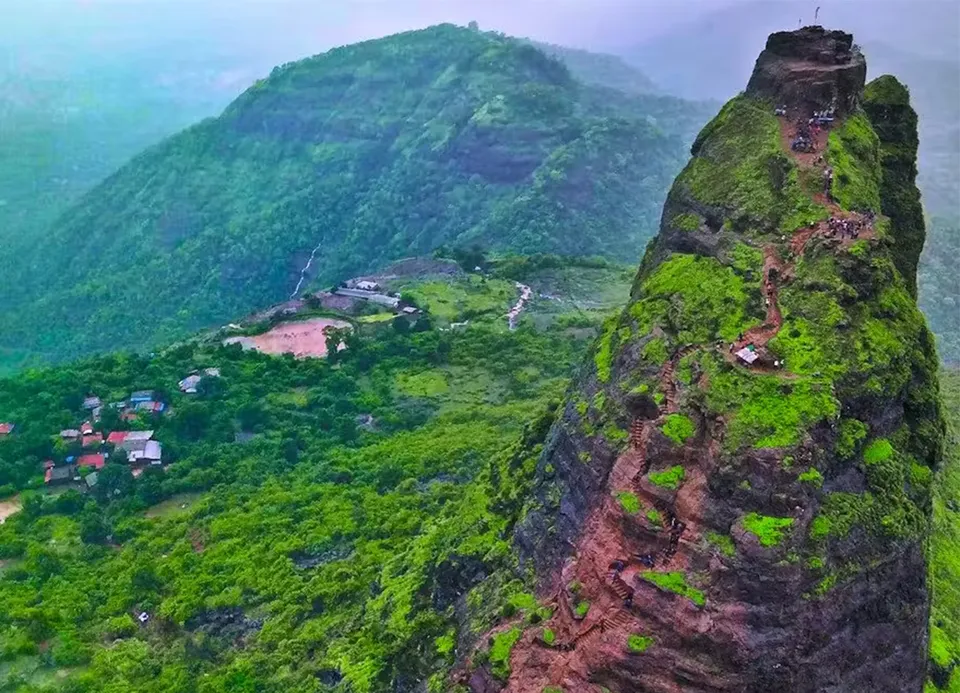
614, 612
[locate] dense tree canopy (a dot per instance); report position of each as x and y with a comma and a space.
327, 552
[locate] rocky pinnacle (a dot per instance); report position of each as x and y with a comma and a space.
736, 494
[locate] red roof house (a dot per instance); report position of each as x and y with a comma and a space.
6, 429
117, 437
92, 440
95, 461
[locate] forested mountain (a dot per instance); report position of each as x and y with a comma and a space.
403, 516
365, 153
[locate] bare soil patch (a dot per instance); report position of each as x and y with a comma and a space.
8, 507
306, 339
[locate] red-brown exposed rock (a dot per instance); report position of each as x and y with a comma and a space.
810, 69
667, 584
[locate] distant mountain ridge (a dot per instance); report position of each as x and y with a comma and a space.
603, 69
366, 153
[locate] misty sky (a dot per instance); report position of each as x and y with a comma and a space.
238, 41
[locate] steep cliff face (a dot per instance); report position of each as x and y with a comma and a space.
736, 495
887, 104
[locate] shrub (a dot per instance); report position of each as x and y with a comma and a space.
629, 502
878, 451
723, 543
769, 530
678, 428
675, 582
581, 609
812, 476
549, 637
638, 644
500, 652
670, 478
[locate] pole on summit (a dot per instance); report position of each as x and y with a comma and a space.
816, 15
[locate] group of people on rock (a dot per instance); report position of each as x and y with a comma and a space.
823, 117
803, 139
845, 228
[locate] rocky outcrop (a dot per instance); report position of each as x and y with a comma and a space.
887, 104
811, 68
736, 494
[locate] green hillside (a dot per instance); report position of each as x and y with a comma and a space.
324, 550
370, 152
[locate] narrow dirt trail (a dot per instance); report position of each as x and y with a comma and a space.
637, 526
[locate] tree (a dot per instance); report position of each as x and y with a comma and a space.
113, 480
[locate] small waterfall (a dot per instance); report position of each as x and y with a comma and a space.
303, 272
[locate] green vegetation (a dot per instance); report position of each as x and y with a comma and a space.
283, 535
686, 222
740, 167
678, 428
638, 644
944, 565
769, 530
500, 652
677, 583
853, 152
878, 451
581, 609
764, 411
811, 476
655, 351
887, 105
548, 636
463, 299
723, 543
603, 358
629, 502
426, 384
694, 298
851, 432
359, 153
654, 516
669, 478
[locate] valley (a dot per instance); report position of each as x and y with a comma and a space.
450, 362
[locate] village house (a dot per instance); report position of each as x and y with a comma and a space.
151, 453
6, 429
95, 461
92, 402
188, 385
747, 355
137, 445
70, 434
93, 440
54, 476
141, 396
